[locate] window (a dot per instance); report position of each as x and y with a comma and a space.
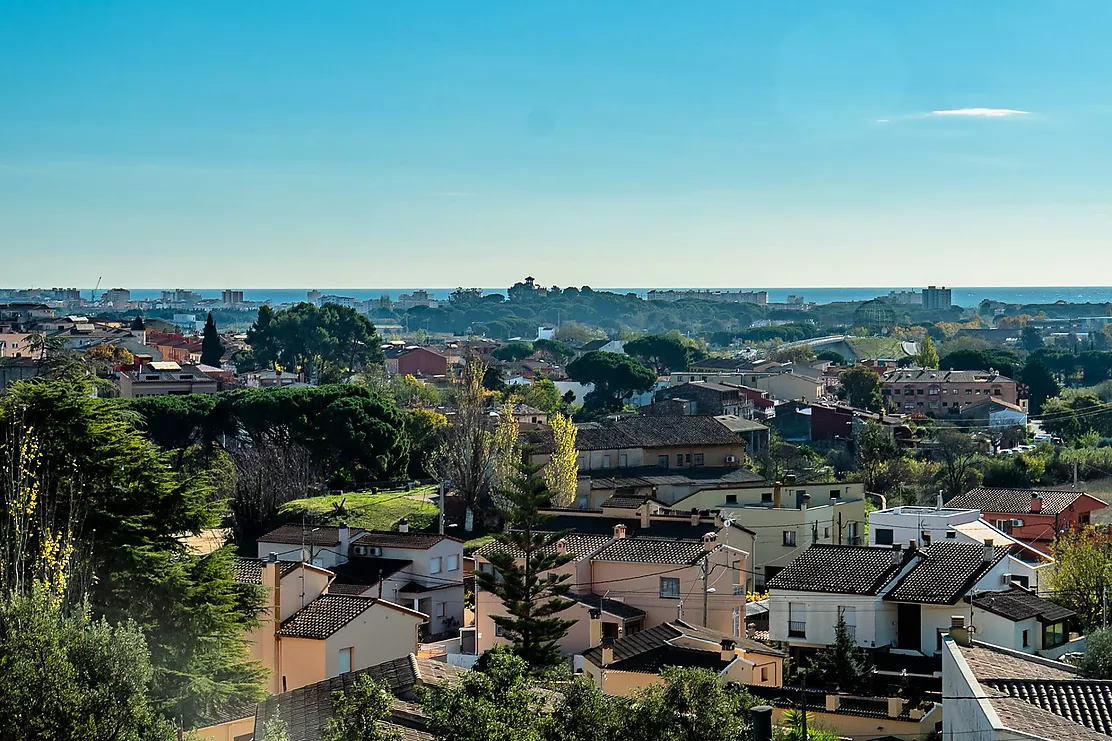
1026, 638
606, 461
623, 460
789, 538
797, 620
434, 565
345, 660
698, 459
584, 502
662, 461
453, 562
826, 533
766, 497
731, 499
439, 612
952, 535
679, 460
687, 459
669, 587
925, 536
835, 493
884, 536
1054, 635
919, 392
498, 631
764, 673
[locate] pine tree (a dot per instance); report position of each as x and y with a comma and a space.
211, 348
137, 323
524, 577
843, 662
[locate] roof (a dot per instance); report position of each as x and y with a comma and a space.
1019, 604
609, 606
660, 526
297, 534
736, 424
250, 570
1015, 501
623, 502
931, 375
651, 650
358, 574
653, 432
653, 550
1025, 717
993, 662
307, 710
395, 539
579, 544
595, 345
327, 614
653, 476
945, 573
841, 570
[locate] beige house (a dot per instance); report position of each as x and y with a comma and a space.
166, 378
947, 392
619, 667
787, 518
637, 576
781, 382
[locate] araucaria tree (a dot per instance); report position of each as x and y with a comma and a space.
211, 348
561, 475
525, 558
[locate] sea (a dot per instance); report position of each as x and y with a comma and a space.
968, 296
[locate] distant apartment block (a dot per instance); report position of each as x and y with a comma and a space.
940, 392
936, 298
737, 297
166, 378
230, 297
116, 297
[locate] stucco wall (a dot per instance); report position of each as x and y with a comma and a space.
965, 718
229, 731
380, 634
822, 615
301, 662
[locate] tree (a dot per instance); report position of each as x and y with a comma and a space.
584, 713
1041, 384
927, 357
860, 386
524, 575
176, 423
1082, 572
267, 474
557, 352
358, 715
663, 352
426, 429
843, 662
330, 342
792, 354
70, 676
1096, 662
575, 334
875, 449
275, 729
834, 357
1031, 339
465, 458
506, 451
108, 357
615, 378
561, 474
211, 347
542, 394
979, 359
955, 452
690, 704
513, 352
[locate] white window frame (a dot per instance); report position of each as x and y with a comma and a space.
453, 562
349, 652
435, 565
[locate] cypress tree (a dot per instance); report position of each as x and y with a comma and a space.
211, 349
523, 577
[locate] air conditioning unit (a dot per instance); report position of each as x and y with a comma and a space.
1017, 523
366, 550
1006, 579
731, 459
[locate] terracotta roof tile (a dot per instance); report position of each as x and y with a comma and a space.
841, 570
945, 572
324, 616
1015, 501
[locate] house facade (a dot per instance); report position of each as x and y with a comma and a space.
421, 361
166, 378
946, 392
1031, 515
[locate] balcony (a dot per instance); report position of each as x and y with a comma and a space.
739, 589
852, 630
797, 629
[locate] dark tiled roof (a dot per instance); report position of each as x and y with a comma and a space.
653, 432
653, 660
649, 650
840, 570
1015, 501
394, 539
931, 375
612, 606
307, 710
945, 572
653, 550
323, 535
579, 544
655, 476
1085, 702
324, 616
250, 570
355, 576
1019, 604
676, 527
620, 502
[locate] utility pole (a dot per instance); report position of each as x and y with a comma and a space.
706, 587
442, 506
803, 709
1104, 605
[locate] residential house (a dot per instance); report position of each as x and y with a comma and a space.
946, 392
18, 344
897, 601
650, 482
166, 378
306, 635
639, 569
423, 571
754, 433
992, 693
422, 361
17, 369
525, 415
22, 314
836, 422
175, 347
849, 716
603, 345
621, 666
707, 398
995, 413
1031, 515
778, 381
786, 518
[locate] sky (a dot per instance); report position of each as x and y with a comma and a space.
267, 143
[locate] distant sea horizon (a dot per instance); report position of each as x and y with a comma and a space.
965, 296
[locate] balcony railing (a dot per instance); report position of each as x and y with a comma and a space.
796, 629
739, 589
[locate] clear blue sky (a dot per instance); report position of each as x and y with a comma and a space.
390, 144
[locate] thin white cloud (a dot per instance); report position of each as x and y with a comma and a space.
978, 112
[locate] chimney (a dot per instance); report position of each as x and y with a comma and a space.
562, 547
912, 545
718, 521
776, 495
345, 541
750, 630
694, 515
272, 580
596, 627
806, 502
833, 702
989, 551
896, 706
958, 631
728, 650
897, 554
645, 519
607, 651
619, 531
939, 504
403, 525
710, 540
1036, 502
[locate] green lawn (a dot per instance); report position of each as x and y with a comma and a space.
371, 511
873, 348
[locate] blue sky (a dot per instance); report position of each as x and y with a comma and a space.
351, 144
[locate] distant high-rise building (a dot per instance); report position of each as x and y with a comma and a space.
116, 296
936, 298
229, 297
314, 296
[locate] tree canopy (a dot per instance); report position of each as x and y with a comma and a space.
513, 352
664, 352
211, 347
615, 377
860, 386
329, 343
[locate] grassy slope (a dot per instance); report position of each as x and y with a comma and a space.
371, 511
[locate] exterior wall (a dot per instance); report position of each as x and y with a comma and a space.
1042, 527
999, 631
380, 634
874, 628
422, 362
301, 587
323, 556
714, 456
488, 604
131, 388
908, 523
617, 683
301, 662
942, 398
964, 719
788, 386
596, 460
856, 726
233, 730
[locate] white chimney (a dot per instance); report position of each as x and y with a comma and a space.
345, 542
403, 525
990, 552
619, 531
